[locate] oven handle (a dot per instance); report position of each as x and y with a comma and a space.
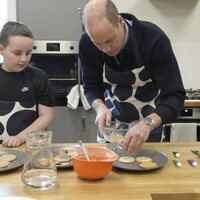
83, 124
62, 79
198, 124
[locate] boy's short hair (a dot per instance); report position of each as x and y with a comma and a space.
12, 28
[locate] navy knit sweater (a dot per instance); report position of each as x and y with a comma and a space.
156, 55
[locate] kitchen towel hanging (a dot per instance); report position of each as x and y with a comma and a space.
76, 94
183, 132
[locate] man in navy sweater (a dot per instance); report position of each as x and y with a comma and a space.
129, 72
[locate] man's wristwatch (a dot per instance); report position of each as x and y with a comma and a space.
149, 121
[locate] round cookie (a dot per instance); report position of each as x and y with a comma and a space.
61, 159
148, 165
126, 159
8, 157
44, 162
63, 152
64, 163
142, 159
4, 163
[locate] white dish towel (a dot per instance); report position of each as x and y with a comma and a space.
183, 132
76, 94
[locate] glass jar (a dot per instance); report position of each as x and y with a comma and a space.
39, 171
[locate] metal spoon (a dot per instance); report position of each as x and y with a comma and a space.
83, 149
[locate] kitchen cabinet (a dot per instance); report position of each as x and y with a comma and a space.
92, 127
72, 125
52, 20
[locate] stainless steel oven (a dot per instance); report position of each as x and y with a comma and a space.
188, 115
59, 59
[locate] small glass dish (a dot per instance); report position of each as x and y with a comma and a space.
116, 132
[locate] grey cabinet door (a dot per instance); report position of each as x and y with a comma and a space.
92, 126
52, 20
69, 125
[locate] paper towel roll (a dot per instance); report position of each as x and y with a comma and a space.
183, 132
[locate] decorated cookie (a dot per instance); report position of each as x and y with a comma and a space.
126, 159
148, 165
142, 159
44, 162
61, 159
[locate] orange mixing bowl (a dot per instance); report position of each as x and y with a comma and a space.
99, 165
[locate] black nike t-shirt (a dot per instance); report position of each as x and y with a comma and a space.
16, 86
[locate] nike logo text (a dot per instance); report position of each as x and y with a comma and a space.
25, 89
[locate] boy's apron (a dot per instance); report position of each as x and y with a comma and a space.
16, 116
131, 95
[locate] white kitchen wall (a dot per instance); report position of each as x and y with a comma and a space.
8, 12
11, 9
180, 21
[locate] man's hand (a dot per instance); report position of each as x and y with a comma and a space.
136, 137
139, 133
103, 115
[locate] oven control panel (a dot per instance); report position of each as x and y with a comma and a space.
55, 47
190, 113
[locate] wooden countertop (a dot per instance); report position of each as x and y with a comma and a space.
192, 103
166, 183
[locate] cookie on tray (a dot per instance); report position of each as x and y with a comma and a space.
148, 165
4, 164
44, 162
126, 159
142, 159
63, 152
8, 157
61, 159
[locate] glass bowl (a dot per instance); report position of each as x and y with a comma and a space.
116, 132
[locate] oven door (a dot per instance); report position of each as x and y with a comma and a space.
187, 116
168, 128
57, 66
61, 88
62, 70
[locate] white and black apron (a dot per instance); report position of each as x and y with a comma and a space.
16, 116
131, 95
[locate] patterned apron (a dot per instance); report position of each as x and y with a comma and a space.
131, 95
16, 116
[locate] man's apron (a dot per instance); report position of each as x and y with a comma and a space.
16, 116
131, 95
